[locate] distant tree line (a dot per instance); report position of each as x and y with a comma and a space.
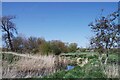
40, 45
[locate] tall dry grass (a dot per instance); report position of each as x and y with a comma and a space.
112, 70
0, 69
28, 67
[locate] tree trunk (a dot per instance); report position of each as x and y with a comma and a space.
10, 41
106, 53
100, 58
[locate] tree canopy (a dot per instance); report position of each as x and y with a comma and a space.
107, 33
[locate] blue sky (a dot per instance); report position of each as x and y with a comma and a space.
66, 21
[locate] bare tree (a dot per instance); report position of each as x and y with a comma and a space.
8, 29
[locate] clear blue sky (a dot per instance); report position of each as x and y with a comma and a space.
66, 21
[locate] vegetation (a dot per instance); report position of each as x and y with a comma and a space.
90, 70
106, 33
78, 72
93, 69
33, 45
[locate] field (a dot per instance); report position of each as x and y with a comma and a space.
51, 66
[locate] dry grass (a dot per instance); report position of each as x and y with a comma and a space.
45, 61
28, 67
0, 69
112, 71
